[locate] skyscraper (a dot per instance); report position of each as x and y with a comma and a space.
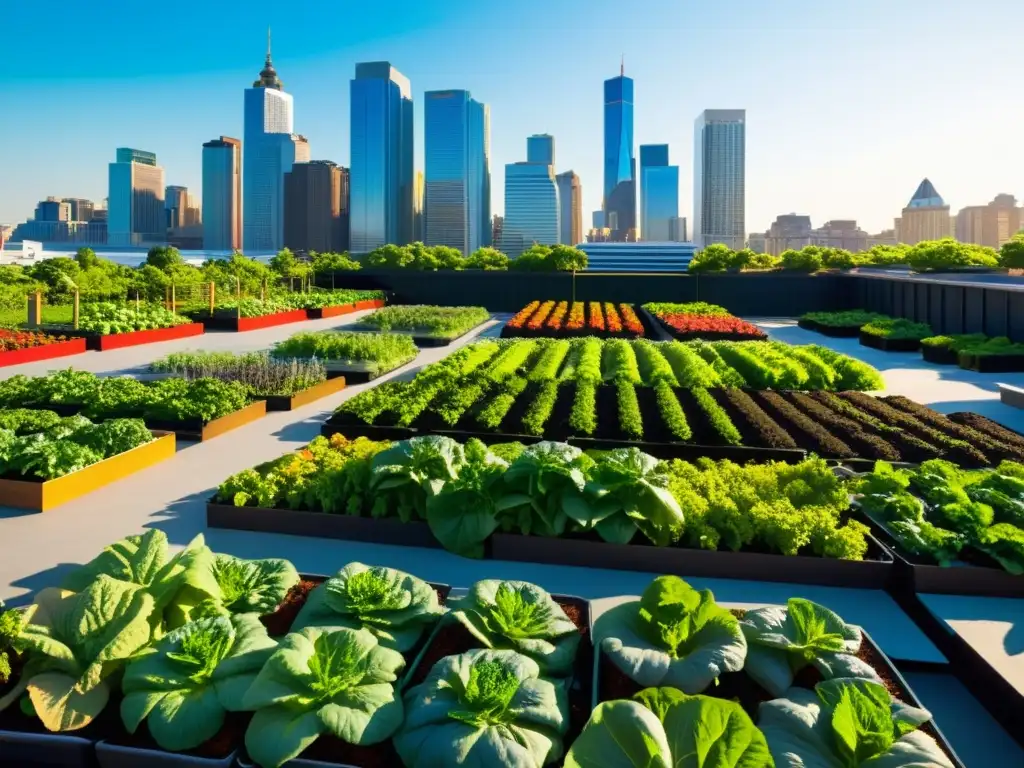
457, 181
222, 194
136, 199
52, 209
619, 162
79, 208
926, 217
540, 148
417, 207
381, 176
659, 194
719, 178
175, 205
531, 207
315, 196
270, 150
570, 203
991, 224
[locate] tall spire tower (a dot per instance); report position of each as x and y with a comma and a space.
619, 204
268, 75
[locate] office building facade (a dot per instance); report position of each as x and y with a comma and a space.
532, 212
719, 178
53, 209
457, 210
570, 201
540, 148
926, 217
136, 199
176, 206
417, 207
619, 161
270, 150
990, 225
222, 194
80, 209
381, 173
316, 207
659, 195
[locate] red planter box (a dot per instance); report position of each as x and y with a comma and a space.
228, 323
45, 352
319, 313
134, 338
370, 304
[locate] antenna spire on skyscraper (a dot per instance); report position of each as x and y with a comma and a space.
268, 77
622, 66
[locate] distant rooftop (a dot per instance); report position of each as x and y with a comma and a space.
926, 197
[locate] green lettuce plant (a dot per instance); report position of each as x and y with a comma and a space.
845, 723
519, 616
184, 684
673, 636
395, 607
11, 621
319, 681
483, 708
782, 641
544, 489
664, 728
413, 470
76, 643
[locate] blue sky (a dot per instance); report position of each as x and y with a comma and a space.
849, 103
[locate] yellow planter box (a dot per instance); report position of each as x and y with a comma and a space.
44, 496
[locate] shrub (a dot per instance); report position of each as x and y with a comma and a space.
805, 260
716, 258
1011, 255
947, 253
487, 258
897, 329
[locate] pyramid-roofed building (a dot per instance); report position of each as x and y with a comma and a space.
926, 197
926, 217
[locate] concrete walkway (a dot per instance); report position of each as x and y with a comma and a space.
36, 549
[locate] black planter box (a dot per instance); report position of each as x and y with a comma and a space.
750, 566
991, 363
939, 355
320, 525
911, 575
672, 333
807, 325
420, 340
369, 431
889, 345
740, 454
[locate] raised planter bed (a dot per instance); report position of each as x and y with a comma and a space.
991, 363
306, 396
320, 525
682, 561
103, 342
196, 429
369, 431
357, 372
740, 454
318, 313
938, 355
42, 496
672, 333
237, 324
44, 352
912, 575
739, 687
112, 755
59, 750
889, 345
833, 331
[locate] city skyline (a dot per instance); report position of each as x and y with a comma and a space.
804, 155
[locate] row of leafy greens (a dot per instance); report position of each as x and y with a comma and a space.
467, 492
938, 510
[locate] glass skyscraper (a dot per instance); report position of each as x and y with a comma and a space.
619, 161
540, 148
531, 207
136, 199
381, 177
222, 194
659, 194
457, 205
270, 150
719, 178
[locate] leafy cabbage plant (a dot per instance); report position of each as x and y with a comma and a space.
631, 493
665, 728
673, 636
412, 471
544, 489
845, 723
522, 617
394, 606
76, 642
183, 685
483, 708
338, 682
782, 641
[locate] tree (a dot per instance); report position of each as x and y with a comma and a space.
533, 259
807, 259
87, 258
487, 258
714, 258
567, 258
741, 258
422, 257
1011, 255
324, 263
163, 256
389, 256
284, 262
59, 274
448, 257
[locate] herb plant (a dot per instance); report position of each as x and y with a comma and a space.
319, 681
260, 374
11, 621
519, 616
183, 685
664, 728
674, 636
440, 322
392, 605
482, 708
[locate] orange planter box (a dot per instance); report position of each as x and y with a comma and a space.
306, 396
44, 496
